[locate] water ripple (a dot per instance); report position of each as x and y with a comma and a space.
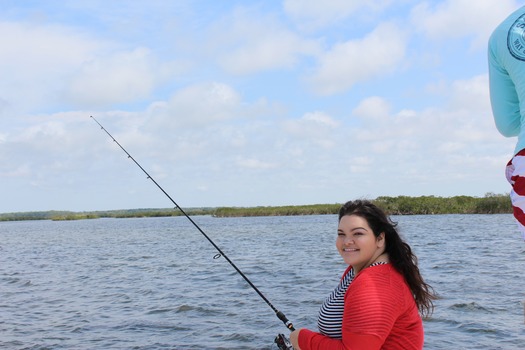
153, 283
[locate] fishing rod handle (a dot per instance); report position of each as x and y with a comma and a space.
283, 318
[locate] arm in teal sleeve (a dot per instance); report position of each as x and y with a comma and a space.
504, 100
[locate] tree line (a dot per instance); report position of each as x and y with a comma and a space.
121, 213
401, 205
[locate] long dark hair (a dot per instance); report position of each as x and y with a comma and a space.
399, 252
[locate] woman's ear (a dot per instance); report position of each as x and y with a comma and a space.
381, 240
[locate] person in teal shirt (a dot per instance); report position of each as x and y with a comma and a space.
506, 58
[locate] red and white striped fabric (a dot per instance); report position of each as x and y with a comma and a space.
515, 173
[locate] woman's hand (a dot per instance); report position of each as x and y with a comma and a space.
294, 339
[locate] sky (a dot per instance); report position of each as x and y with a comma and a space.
245, 103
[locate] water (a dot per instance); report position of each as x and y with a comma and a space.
153, 283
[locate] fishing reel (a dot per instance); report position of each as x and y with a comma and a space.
283, 343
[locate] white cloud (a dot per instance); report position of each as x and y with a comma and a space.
316, 14
458, 18
464, 124
49, 129
44, 65
360, 164
117, 78
375, 108
314, 127
252, 163
321, 119
197, 105
472, 93
271, 50
21, 171
36, 59
247, 44
241, 124
320, 12
354, 61
43, 46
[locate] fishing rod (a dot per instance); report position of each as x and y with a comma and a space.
278, 313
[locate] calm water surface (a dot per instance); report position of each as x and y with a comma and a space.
153, 283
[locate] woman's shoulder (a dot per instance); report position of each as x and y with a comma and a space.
383, 274
378, 284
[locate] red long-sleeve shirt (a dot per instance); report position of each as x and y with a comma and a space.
379, 313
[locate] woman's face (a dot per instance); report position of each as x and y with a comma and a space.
356, 242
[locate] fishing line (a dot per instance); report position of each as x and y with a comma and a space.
278, 313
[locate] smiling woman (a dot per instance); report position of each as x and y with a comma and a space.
357, 243
383, 274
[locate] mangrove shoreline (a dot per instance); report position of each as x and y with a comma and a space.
402, 205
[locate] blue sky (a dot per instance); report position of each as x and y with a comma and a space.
246, 103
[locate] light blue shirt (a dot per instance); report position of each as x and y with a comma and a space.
506, 56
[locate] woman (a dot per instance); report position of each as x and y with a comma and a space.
381, 295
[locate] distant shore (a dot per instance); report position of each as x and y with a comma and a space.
401, 205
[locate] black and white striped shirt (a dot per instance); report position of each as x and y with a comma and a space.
330, 319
